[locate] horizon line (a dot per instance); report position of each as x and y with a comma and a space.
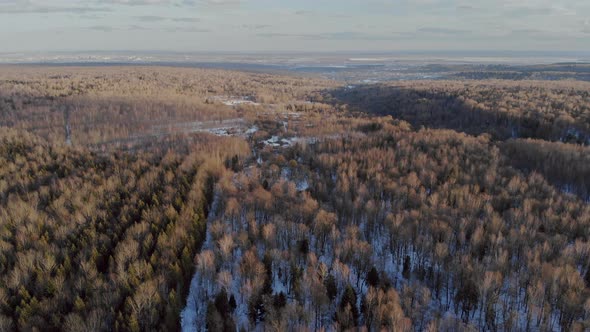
289, 52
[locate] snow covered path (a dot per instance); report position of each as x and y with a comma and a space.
191, 317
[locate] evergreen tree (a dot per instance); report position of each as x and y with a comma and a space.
331, 287
467, 296
373, 277
304, 247
232, 303
214, 321
280, 300
407, 267
221, 303
256, 310
267, 261
348, 310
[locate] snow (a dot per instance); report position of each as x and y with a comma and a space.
286, 173
302, 185
218, 131
226, 127
291, 141
386, 259
235, 102
194, 307
192, 316
202, 290
275, 141
278, 285
252, 130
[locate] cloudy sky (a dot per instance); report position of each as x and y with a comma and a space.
294, 25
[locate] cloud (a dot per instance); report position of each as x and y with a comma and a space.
343, 35
276, 34
321, 15
91, 16
466, 7
187, 29
186, 19
303, 12
211, 2
37, 7
254, 26
524, 8
442, 31
155, 18
320, 24
151, 18
108, 28
535, 34
221, 2
103, 28
425, 32
136, 2
135, 27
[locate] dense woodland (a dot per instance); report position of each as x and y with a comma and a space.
439, 206
555, 111
549, 72
394, 229
545, 124
96, 243
111, 104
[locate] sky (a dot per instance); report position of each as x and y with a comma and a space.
294, 26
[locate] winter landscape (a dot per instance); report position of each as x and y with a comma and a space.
294, 166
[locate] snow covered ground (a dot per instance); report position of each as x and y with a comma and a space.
193, 315
205, 287
235, 100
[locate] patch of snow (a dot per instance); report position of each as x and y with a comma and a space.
302, 185
235, 102
252, 130
273, 141
286, 173
218, 131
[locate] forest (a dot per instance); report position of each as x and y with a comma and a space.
162, 199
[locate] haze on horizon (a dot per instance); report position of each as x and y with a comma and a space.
303, 25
